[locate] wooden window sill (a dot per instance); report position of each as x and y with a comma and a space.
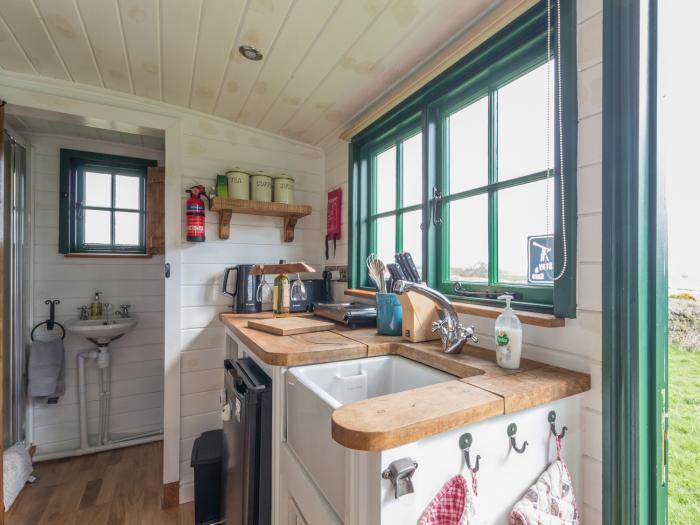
108, 255
531, 318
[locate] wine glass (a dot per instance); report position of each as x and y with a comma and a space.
298, 290
264, 290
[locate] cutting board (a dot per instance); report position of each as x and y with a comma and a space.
290, 325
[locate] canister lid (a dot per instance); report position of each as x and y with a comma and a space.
284, 177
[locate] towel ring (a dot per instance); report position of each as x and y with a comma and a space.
465, 441
512, 430
552, 418
56, 323
50, 322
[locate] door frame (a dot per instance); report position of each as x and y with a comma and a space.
2, 294
634, 271
86, 101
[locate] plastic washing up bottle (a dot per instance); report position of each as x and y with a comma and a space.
509, 337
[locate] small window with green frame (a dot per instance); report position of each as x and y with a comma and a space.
467, 173
103, 203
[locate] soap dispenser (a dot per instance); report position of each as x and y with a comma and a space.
96, 307
509, 337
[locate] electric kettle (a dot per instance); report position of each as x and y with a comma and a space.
242, 286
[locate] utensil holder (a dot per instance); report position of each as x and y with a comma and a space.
419, 312
389, 314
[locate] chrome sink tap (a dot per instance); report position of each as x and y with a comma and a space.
453, 334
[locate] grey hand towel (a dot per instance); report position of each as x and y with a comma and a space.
46, 370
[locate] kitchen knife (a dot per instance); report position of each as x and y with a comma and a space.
400, 260
412, 267
395, 271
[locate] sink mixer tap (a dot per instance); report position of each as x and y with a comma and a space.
123, 311
453, 334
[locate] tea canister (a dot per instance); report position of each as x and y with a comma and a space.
238, 184
261, 187
284, 189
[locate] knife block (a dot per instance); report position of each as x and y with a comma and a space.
419, 312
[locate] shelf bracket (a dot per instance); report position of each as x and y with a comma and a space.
289, 224
225, 223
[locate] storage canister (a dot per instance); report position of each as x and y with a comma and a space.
284, 189
261, 187
238, 184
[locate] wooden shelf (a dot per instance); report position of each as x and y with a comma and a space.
289, 212
531, 318
270, 269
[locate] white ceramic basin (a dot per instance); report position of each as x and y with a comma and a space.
315, 391
100, 330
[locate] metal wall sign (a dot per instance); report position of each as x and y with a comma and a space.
540, 257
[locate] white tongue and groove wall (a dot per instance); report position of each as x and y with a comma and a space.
578, 344
210, 147
137, 357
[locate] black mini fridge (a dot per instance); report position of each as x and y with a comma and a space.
247, 444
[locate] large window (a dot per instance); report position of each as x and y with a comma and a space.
103, 203
466, 175
397, 175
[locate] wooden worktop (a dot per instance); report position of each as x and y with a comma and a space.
293, 350
481, 388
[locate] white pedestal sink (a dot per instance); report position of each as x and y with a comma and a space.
101, 331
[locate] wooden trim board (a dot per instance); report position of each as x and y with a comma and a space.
491, 312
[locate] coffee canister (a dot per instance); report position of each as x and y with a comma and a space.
238, 184
284, 189
261, 187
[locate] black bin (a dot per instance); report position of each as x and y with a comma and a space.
207, 454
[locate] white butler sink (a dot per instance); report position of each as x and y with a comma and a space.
315, 391
102, 331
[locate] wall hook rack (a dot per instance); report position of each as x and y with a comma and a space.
51, 321
512, 431
465, 442
552, 418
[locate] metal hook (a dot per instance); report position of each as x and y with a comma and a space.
512, 430
552, 418
465, 441
52, 308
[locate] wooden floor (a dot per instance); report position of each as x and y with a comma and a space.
115, 487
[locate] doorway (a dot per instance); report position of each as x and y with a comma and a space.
133, 414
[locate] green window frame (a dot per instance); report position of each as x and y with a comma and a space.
515, 51
400, 209
73, 210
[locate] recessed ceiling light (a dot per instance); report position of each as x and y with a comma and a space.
250, 53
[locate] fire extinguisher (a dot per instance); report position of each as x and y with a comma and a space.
195, 214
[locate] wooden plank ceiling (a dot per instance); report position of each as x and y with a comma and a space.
324, 60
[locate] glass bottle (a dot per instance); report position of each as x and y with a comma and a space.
280, 296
